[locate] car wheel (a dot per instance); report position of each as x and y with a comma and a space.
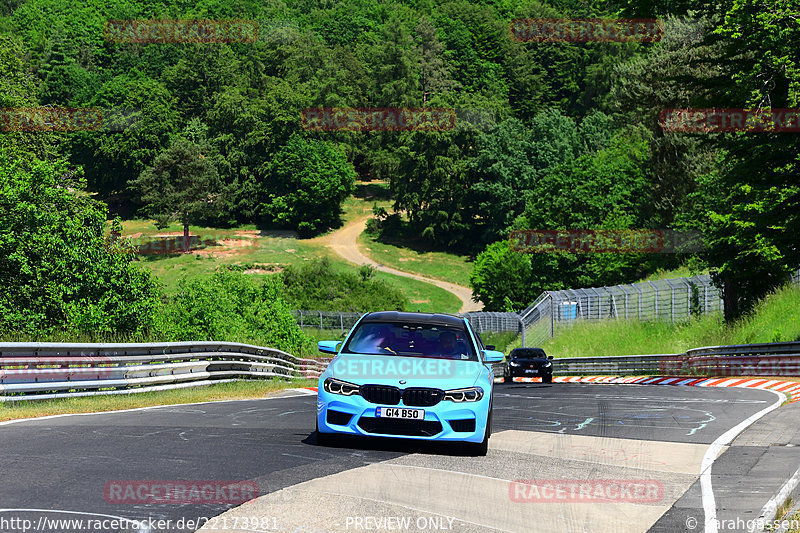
479, 449
507, 379
547, 379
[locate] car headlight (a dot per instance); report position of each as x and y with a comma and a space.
337, 386
470, 394
512, 363
547, 364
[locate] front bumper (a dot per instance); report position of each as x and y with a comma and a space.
445, 421
519, 371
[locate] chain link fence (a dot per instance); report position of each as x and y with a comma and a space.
672, 300
333, 320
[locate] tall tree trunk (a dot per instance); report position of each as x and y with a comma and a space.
730, 301
185, 235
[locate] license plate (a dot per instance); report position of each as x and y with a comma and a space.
399, 412
531, 371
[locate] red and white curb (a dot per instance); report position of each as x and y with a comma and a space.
792, 388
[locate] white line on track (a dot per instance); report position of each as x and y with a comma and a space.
770, 510
709, 502
48, 417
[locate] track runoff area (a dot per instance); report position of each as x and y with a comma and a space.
563, 456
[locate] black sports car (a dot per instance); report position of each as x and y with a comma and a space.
528, 362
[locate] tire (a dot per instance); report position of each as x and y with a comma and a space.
479, 449
547, 379
507, 379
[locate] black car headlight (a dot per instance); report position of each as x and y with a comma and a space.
512, 363
548, 364
337, 386
470, 394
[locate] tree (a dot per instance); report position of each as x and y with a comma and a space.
752, 235
434, 72
183, 185
500, 274
57, 270
308, 181
112, 159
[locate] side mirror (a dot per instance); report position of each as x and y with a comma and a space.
490, 346
329, 346
549, 356
493, 356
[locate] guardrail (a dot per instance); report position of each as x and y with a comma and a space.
768, 359
57, 370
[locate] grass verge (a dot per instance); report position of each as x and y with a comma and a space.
238, 390
416, 259
775, 319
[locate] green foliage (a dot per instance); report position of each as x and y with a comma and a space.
755, 219
318, 285
231, 306
183, 184
573, 140
501, 277
57, 270
308, 182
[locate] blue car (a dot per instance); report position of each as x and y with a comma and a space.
408, 375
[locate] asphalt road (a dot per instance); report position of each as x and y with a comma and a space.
61, 468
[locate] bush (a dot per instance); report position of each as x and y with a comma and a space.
231, 306
319, 286
57, 270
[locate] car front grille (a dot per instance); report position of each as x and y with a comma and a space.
421, 397
397, 426
382, 394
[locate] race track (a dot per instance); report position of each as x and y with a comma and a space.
616, 437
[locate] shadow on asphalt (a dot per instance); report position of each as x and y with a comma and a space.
385, 444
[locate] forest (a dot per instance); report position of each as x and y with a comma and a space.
519, 134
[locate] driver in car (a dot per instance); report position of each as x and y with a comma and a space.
447, 344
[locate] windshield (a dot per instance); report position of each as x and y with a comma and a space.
528, 354
415, 340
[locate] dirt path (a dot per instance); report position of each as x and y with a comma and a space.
344, 242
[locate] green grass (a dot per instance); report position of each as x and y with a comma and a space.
775, 319
418, 260
237, 390
680, 272
501, 340
270, 250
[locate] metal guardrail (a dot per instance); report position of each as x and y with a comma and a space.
58, 370
767, 359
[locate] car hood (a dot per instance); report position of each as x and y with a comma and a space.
415, 371
531, 360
